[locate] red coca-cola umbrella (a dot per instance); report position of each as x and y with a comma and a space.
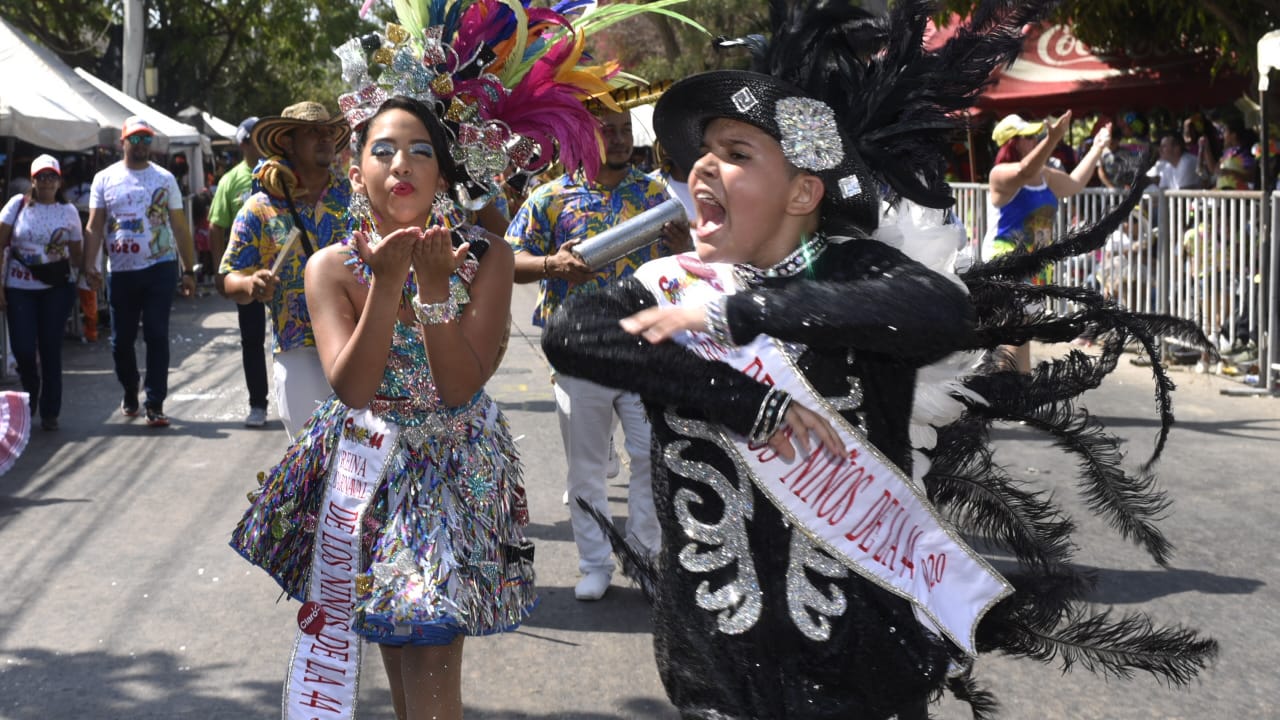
1057, 72
15, 427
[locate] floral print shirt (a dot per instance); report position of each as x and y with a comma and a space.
262, 226
571, 208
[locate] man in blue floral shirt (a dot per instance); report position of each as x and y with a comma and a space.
297, 186
556, 216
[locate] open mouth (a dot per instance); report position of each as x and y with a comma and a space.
711, 214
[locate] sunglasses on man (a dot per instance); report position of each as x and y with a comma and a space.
46, 177
140, 139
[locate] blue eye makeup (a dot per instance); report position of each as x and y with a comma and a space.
382, 148
422, 148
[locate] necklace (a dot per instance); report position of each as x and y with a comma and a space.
800, 259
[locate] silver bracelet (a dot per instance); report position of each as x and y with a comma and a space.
717, 323
436, 313
769, 418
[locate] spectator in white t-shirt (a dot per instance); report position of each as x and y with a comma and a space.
1176, 168
40, 239
139, 205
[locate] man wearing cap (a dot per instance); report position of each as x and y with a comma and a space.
234, 189
298, 187
135, 208
556, 216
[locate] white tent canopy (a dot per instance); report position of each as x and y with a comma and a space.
46, 104
212, 125
175, 132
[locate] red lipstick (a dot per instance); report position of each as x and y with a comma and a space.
403, 188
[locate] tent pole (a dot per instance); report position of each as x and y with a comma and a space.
8, 163
973, 164
1271, 295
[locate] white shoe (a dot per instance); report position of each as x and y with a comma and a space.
1201, 367
615, 464
257, 417
593, 585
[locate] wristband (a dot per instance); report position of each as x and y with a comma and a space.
546, 270
769, 418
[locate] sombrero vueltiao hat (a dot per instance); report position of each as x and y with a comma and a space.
806, 128
269, 131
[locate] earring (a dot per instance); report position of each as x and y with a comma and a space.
361, 210
443, 206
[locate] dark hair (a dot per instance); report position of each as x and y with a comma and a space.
435, 129
58, 195
1175, 138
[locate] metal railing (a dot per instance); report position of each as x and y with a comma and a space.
1194, 254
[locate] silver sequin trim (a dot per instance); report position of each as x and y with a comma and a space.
810, 607
740, 601
744, 100
810, 137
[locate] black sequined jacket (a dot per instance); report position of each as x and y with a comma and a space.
748, 616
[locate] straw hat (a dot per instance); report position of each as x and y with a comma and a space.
269, 131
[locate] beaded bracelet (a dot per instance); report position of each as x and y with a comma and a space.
717, 323
769, 418
436, 313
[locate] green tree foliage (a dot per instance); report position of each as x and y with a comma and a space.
659, 48
1225, 30
231, 57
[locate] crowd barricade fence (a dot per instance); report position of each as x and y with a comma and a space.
1194, 254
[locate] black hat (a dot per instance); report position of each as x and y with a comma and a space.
806, 128
854, 98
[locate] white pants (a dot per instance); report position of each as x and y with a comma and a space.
586, 410
300, 386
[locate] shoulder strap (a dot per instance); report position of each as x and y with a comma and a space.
307, 248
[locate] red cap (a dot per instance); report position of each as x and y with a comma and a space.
135, 125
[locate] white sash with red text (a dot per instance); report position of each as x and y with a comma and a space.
859, 507
323, 681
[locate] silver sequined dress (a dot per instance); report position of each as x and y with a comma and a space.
444, 551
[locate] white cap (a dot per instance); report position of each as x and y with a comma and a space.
45, 162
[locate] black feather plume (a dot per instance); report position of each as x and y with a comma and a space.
981, 499
634, 565
1115, 648
982, 703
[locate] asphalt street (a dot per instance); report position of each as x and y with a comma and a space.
119, 597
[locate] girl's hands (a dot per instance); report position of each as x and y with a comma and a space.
434, 260
391, 258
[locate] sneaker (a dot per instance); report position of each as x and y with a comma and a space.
1201, 367
593, 585
49, 423
129, 406
156, 417
257, 417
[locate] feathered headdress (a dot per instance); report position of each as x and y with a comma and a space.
854, 98
508, 80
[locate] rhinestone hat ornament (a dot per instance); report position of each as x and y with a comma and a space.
810, 139
507, 80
